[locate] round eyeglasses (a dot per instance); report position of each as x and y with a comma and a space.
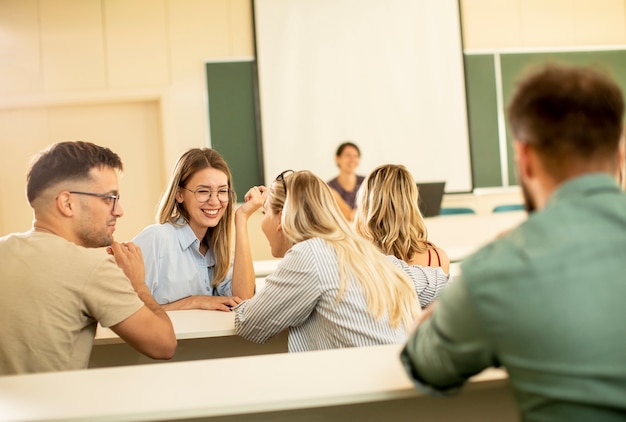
204, 195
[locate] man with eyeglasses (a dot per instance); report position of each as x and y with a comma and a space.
66, 274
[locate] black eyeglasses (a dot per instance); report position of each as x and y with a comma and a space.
107, 196
281, 178
203, 194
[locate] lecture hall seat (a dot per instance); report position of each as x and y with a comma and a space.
509, 207
456, 210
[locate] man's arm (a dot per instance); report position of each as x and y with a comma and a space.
449, 345
149, 330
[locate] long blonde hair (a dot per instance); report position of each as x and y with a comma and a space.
309, 210
218, 238
388, 214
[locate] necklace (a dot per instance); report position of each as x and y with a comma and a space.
43, 229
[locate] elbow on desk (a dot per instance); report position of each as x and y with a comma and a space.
248, 330
164, 349
251, 334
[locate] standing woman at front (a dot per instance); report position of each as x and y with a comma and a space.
188, 253
347, 183
327, 290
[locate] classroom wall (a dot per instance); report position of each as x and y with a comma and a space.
506, 24
130, 74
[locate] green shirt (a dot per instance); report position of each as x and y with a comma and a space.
546, 301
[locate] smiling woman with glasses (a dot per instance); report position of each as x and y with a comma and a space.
188, 253
328, 289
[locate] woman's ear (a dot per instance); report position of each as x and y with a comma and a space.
179, 196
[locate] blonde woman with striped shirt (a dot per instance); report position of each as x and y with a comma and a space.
333, 288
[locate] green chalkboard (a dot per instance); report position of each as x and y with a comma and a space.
515, 66
482, 118
481, 79
233, 120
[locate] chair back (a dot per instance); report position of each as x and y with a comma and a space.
456, 210
509, 207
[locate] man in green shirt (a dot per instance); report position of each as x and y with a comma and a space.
546, 300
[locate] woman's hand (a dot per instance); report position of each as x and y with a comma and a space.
218, 303
129, 258
253, 200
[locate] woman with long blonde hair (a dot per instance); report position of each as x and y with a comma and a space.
188, 253
388, 215
327, 289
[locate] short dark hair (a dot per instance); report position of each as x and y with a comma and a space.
567, 113
344, 145
67, 160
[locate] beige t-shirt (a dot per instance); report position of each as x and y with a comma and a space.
52, 294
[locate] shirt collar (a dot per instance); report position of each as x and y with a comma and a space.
187, 238
584, 186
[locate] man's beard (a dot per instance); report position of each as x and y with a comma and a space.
529, 202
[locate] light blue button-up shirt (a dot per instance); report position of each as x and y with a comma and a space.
175, 268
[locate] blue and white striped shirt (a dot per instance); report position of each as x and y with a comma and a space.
302, 295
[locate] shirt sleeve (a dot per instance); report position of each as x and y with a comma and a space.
450, 346
428, 281
108, 294
288, 298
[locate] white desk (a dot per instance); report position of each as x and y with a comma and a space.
201, 335
263, 268
188, 324
462, 234
343, 384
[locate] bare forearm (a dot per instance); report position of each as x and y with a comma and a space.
184, 303
243, 269
219, 303
144, 294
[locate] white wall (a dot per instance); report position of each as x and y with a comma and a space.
493, 24
385, 75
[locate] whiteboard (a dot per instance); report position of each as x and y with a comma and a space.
387, 75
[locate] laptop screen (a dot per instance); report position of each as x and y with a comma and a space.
430, 198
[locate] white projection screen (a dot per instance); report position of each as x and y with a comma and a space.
385, 74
